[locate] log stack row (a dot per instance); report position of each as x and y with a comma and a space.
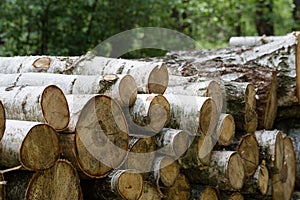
193, 125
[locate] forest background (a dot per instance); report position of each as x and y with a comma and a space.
72, 27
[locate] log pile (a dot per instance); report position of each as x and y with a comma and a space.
191, 125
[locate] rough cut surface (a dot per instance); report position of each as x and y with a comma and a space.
59, 182
33, 145
36, 103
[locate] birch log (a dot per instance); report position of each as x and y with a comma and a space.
198, 154
165, 172
151, 77
30, 144
198, 115
289, 174
173, 142
119, 184
42, 104
180, 190
127, 184
141, 154
200, 192
150, 192
248, 148
241, 104
250, 41
196, 86
258, 184
101, 136
225, 171
281, 55
2, 120
225, 130
271, 149
121, 87
58, 182
150, 113
296, 143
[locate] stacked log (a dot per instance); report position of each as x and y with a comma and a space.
202, 137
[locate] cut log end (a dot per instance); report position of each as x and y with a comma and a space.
215, 92
205, 146
181, 143
207, 117
59, 182
289, 178
42, 63
225, 130
236, 171
158, 80
141, 154
150, 192
128, 184
279, 152
101, 136
128, 90
236, 196
2, 120
159, 113
210, 193
40, 151
55, 107
248, 149
169, 170
263, 178
180, 190
251, 118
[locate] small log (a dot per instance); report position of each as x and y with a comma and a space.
271, 149
225, 130
2, 120
258, 184
232, 196
248, 148
127, 184
119, 184
101, 137
180, 190
33, 145
150, 113
121, 87
225, 171
198, 115
165, 172
200, 192
173, 142
150, 192
141, 154
198, 154
251, 41
196, 86
58, 182
241, 104
151, 77
295, 136
42, 104
289, 174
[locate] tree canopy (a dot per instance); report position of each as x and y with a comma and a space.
68, 27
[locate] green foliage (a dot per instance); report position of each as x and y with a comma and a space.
68, 27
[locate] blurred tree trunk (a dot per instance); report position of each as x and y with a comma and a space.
263, 21
296, 14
